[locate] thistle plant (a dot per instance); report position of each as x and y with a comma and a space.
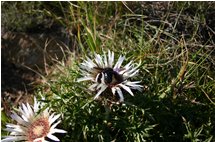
33, 124
108, 78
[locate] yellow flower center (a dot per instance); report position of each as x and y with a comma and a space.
38, 129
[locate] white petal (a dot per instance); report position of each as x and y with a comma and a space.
132, 70
99, 60
17, 134
53, 137
103, 78
120, 94
51, 117
39, 139
97, 77
130, 73
13, 126
113, 90
134, 73
90, 63
84, 66
126, 68
30, 111
110, 58
17, 130
87, 64
100, 91
26, 111
139, 88
24, 115
84, 78
54, 118
36, 105
127, 89
136, 86
92, 87
118, 63
55, 124
85, 72
46, 112
13, 138
100, 86
18, 119
58, 131
105, 61
132, 83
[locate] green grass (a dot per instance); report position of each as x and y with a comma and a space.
176, 48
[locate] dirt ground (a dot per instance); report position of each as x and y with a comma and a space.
17, 84
24, 59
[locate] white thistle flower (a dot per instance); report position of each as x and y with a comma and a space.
32, 125
105, 74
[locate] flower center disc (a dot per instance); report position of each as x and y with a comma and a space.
111, 77
38, 129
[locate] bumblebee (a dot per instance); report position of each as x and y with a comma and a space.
111, 77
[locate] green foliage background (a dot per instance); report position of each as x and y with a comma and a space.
174, 41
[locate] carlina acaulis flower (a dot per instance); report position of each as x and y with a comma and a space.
106, 75
33, 124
